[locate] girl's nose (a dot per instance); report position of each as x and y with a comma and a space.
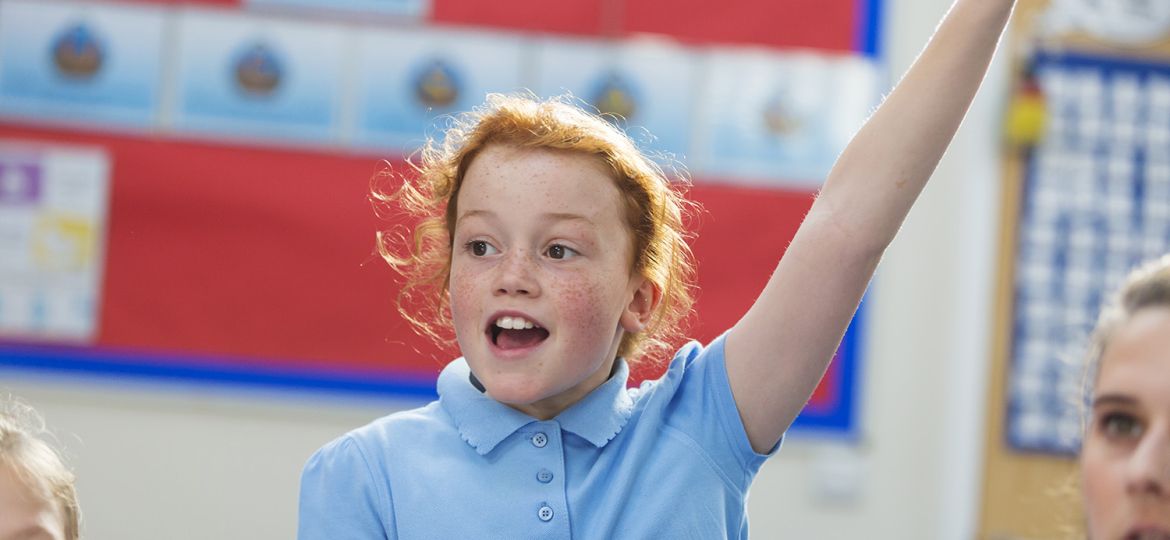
1149, 465
514, 275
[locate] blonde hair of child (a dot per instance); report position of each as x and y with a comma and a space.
35, 463
1146, 287
655, 209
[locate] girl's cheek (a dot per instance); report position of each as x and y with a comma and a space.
1102, 485
580, 301
460, 289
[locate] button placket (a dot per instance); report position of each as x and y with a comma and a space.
547, 477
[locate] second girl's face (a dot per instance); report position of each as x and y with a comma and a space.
541, 284
23, 514
1125, 460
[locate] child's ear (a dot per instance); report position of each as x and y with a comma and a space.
641, 307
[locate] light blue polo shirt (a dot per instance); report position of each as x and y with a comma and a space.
670, 459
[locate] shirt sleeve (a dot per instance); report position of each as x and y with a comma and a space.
341, 498
704, 408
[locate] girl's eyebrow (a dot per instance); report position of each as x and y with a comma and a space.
565, 216
484, 214
548, 216
1114, 400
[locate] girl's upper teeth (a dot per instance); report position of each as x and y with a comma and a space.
514, 323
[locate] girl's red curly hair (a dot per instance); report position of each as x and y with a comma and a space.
655, 209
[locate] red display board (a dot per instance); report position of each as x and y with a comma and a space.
254, 263
267, 255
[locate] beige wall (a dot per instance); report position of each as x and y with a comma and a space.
180, 462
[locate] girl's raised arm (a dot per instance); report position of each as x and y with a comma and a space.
778, 351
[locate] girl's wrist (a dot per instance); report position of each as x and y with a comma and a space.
995, 10
995, 6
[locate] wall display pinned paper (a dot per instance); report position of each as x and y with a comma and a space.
408, 79
645, 86
80, 61
1096, 203
53, 207
255, 77
414, 9
780, 119
1118, 22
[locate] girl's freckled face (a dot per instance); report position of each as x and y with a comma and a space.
540, 238
1125, 457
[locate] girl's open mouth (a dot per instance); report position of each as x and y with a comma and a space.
510, 333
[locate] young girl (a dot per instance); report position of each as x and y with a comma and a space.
1125, 456
556, 250
37, 499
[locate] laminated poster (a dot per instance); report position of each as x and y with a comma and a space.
53, 208
260, 78
80, 62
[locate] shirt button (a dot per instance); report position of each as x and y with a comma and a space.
544, 476
545, 513
539, 440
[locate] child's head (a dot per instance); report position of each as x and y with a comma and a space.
652, 208
37, 498
1125, 457
549, 242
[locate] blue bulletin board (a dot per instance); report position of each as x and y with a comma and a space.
1096, 203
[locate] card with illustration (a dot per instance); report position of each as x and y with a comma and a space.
81, 62
252, 77
410, 81
53, 208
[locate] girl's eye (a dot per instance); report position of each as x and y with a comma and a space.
1118, 425
557, 251
481, 248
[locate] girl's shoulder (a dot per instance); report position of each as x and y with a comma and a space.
691, 369
405, 428
689, 359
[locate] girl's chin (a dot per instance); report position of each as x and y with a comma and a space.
534, 400
517, 393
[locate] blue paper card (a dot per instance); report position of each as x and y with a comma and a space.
780, 119
244, 76
83, 61
409, 80
646, 86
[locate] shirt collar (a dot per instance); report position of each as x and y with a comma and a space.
484, 422
602, 414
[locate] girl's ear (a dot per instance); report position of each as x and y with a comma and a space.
642, 305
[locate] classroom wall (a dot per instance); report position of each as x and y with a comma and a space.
917, 469
197, 462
